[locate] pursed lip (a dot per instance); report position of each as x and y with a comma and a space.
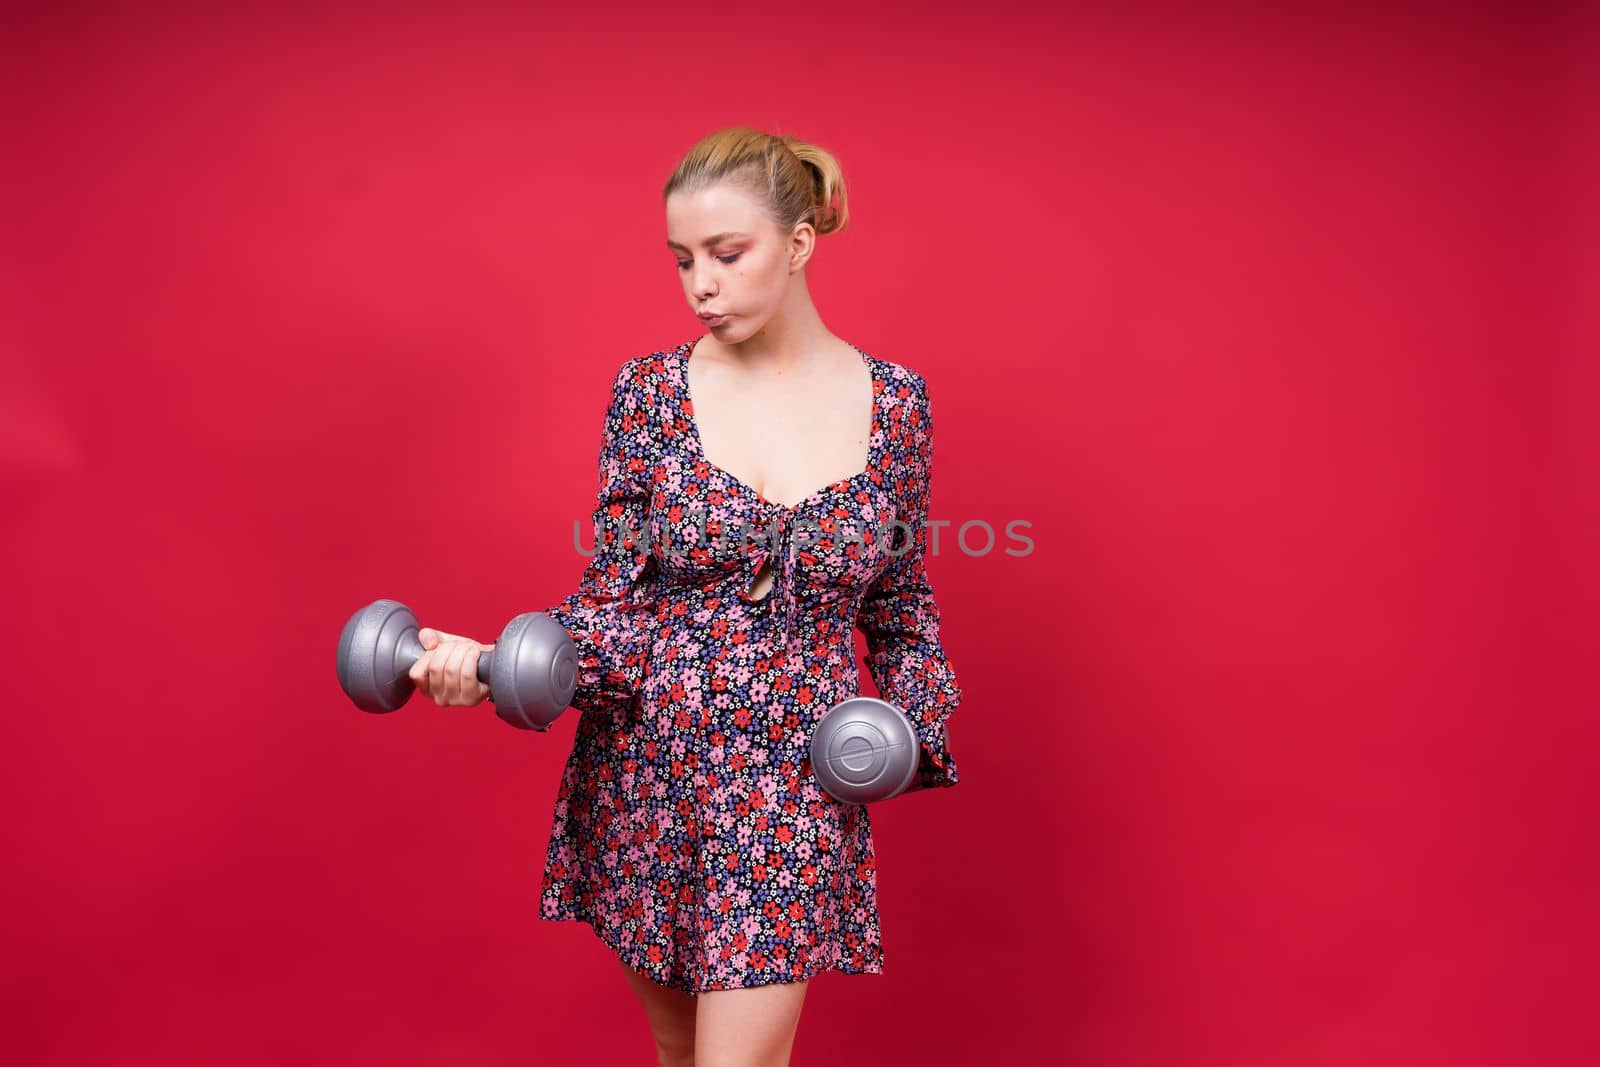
709, 315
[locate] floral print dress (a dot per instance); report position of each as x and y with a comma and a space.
688, 829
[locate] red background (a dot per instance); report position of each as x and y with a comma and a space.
1275, 749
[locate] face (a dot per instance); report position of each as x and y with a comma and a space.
732, 259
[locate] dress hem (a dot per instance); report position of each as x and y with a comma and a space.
633, 960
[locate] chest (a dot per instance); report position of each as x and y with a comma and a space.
783, 437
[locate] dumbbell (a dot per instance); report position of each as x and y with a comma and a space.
532, 671
864, 750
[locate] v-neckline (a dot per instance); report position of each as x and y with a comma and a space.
687, 403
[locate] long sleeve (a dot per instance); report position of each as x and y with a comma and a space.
611, 615
900, 619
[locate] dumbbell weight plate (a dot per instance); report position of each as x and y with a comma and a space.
371, 646
535, 666
864, 750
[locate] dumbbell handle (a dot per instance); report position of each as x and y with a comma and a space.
409, 650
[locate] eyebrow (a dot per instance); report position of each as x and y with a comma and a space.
713, 239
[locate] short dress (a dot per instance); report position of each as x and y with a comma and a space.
688, 829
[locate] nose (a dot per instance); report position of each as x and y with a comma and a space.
700, 283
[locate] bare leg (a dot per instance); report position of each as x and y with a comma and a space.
752, 1027
671, 1013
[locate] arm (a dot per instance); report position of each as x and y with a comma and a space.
612, 614
901, 620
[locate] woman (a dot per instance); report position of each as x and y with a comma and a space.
714, 624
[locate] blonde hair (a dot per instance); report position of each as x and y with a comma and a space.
796, 181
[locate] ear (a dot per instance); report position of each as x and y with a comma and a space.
802, 242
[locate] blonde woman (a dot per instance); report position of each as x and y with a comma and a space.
689, 831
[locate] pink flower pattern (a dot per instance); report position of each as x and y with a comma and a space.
688, 829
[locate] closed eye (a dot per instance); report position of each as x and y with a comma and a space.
682, 265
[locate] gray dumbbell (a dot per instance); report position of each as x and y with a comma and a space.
863, 750
532, 670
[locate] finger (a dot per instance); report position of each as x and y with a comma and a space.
467, 673
428, 636
452, 673
438, 683
445, 693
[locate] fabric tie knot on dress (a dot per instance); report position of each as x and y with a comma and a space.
775, 545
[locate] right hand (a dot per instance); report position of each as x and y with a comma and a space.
447, 672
